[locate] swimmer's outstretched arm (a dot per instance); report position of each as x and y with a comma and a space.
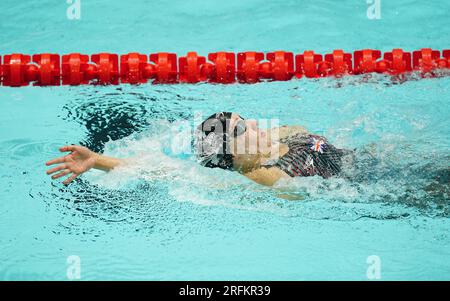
80, 160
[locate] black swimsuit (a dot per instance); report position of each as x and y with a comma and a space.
310, 155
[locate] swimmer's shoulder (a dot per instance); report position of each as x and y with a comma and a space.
286, 131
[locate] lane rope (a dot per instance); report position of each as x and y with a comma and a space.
46, 69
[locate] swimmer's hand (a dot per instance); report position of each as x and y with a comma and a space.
80, 160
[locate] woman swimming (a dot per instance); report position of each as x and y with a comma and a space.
228, 141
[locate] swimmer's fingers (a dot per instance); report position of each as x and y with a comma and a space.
70, 179
68, 148
61, 174
57, 168
56, 161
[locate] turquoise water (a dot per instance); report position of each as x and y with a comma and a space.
133, 224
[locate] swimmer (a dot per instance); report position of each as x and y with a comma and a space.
226, 140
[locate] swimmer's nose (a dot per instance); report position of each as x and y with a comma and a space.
251, 123
264, 136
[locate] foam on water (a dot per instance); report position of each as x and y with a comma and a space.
148, 157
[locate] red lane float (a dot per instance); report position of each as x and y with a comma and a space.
190, 68
308, 64
74, 69
222, 69
17, 70
248, 66
132, 68
340, 63
281, 65
425, 60
397, 62
165, 67
47, 69
365, 61
105, 70
446, 55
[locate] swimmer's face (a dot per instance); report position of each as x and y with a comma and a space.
248, 142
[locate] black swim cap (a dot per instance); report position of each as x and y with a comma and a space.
212, 141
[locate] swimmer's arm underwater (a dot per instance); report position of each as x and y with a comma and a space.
80, 160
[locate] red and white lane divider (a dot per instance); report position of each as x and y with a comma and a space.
46, 69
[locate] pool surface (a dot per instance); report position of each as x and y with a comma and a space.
205, 224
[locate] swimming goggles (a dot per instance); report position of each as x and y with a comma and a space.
240, 128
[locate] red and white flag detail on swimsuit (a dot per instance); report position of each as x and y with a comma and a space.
317, 145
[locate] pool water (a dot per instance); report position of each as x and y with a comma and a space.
194, 223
